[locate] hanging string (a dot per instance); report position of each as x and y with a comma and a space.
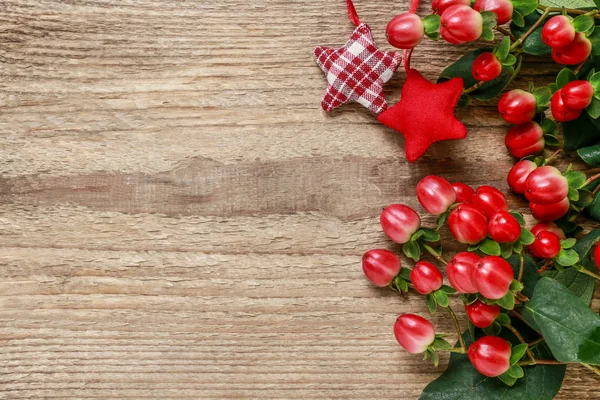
352, 13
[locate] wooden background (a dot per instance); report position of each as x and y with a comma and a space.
180, 220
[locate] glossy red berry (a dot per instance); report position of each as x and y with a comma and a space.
405, 31
482, 315
575, 52
435, 194
597, 256
577, 95
517, 106
518, 175
545, 245
467, 224
464, 193
461, 24
414, 333
489, 200
439, 6
459, 271
490, 356
399, 222
380, 266
550, 212
492, 277
486, 67
560, 111
546, 185
525, 139
558, 32
550, 227
504, 228
426, 277
502, 8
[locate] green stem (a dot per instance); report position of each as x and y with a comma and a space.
540, 362
434, 253
572, 11
583, 270
530, 31
458, 350
518, 335
591, 179
521, 266
591, 368
458, 331
536, 342
552, 156
473, 88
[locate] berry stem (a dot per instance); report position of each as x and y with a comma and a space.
545, 267
434, 253
552, 156
588, 272
540, 362
521, 266
473, 88
591, 179
458, 331
572, 11
506, 33
591, 368
518, 335
533, 28
458, 350
536, 342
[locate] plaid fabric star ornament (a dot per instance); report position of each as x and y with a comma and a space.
357, 71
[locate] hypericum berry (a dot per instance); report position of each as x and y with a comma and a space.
467, 224
482, 315
518, 175
489, 200
380, 266
575, 52
546, 185
492, 277
577, 94
549, 227
517, 106
550, 212
414, 333
435, 194
597, 256
486, 67
525, 139
439, 6
461, 24
504, 228
560, 111
502, 8
426, 277
490, 356
405, 31
558, 32
399, 222
459, 271
464, 193
545, 245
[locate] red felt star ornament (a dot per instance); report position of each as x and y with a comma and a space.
425, 113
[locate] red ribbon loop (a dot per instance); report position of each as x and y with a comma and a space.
352, 13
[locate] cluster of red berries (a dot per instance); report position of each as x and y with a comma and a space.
568, 46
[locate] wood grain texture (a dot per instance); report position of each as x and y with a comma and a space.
180, 220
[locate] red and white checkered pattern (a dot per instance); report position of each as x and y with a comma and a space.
357, 71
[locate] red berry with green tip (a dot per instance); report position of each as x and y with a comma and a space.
426, 277
439, 6
405, 31
577, 95
525, 139
459, 271
575, 52
461, 24
560, 111
490, 356
546, 185
504, 228
550, 212
414, 333
399, 222
558, 32
380, 266
489, 200
518, 175
492, 277
482, 315
464, 193
502, 8
517, 106
545, 245
486, 67
467, 224
435, 194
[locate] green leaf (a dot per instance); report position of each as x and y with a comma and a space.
590, 155
576, 179
518, 351
507, 302
565, 76
517, 20
441, 298
525, 7
549, 126
567, 257
584, 244
405, 274
448, 289
533, 44
573, 194
568, 243
585, 198
431, 303
595, 78
417, 235
487, 34
568, 3
542, 96
526, 237
517, 247
503, 319
441, 220
581, 285
583, 23
509, 60
430, 235
431, 24
412, 250
490, 20
580, 133
441, 344
594, 208
507, 379
506, 249
473, 247
530, 274
493, 330
515, 286
571, 329
503, 48
518, 217
401, 284
515, 371
593, 110
551, 140
490, 247
595, 39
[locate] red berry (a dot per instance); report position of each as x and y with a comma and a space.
492, 277
525, 139
575, 52
380, 266
426, 277
502, 8
577, 95
517, 106
489, 200
490, 356
486, 67
518, 175
558, 32
439, 6
414, 333
405, 31
545, 245
399, 222
560, 111
435, 194
546, 185
467, 224
482, 315
597, 256
461, 24
459, 271
504, 228
550, 227
464, 193
550, 212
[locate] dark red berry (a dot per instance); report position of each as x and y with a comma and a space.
482, 315
517, 106
575, 52
546, 185
414, 333
550, 212
467, 224
399, 222
492, 277
518, 175
545, 245
405, 31
502, 8
525, 139
486, 67
464, 193
439, 6
490, 356
380, 266
426, 277
489, 200
459, 271
577, 94
435, 194
558, 31
560, 111
461, 24
550, 227
504, 228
